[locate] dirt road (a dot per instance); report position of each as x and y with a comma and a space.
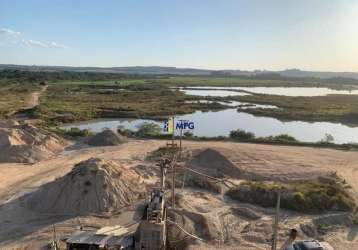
33, 99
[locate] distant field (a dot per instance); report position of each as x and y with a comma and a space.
225, 81
248, 82
195, 81
13, 97
73, 102
68, 101
338, 108
119, 82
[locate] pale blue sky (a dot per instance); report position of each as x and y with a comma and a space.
216, 34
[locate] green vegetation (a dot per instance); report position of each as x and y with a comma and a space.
336, 108
125, 132
13, 97
241, 135
72, 132
283, 138
313, 196
21, 76
218, 81
75, 96
67, 103
238, 136
148, 129
162, 152
263, 80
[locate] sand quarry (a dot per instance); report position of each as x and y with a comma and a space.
26, 143
91, 187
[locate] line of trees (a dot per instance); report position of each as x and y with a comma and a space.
20, 76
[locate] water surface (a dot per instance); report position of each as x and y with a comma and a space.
220, 123
285, 91
212, 92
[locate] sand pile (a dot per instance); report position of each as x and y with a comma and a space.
106, 138
93, 186
213, 163
193, 223
26, 143
8, 123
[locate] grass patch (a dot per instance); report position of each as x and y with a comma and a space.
71, 133
162, 152
84, 102
312, 196
334, 108
13, 97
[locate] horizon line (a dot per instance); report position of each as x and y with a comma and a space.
177, 67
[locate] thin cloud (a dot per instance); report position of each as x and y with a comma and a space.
17, 37
9, 32
33, 43
57, 45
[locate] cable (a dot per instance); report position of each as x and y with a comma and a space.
184, 231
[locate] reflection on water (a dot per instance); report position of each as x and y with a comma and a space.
243, 105
285, 91
219, 93
220, 123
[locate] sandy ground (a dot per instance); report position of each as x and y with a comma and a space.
23, 229
33, 99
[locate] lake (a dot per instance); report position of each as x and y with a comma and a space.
220, 123
285, 91
218, 92
243, 105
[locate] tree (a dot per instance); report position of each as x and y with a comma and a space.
328, 138
148, 129
241, 135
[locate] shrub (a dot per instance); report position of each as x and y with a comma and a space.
188, 134
75, 132
312, 196
166, 152
125, 132
241, 135
328, 138
147, 129
284, 138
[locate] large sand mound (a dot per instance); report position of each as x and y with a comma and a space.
106, 138
26, 143
193, 223
213, 163
93, 186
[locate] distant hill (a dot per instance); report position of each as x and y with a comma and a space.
158, 70
155, 70
317, 74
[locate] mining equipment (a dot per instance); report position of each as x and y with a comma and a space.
152, 229
151, 234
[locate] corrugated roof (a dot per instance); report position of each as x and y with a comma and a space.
86, 237
111, 236
115, 230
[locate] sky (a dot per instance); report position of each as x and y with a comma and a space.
213, 34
